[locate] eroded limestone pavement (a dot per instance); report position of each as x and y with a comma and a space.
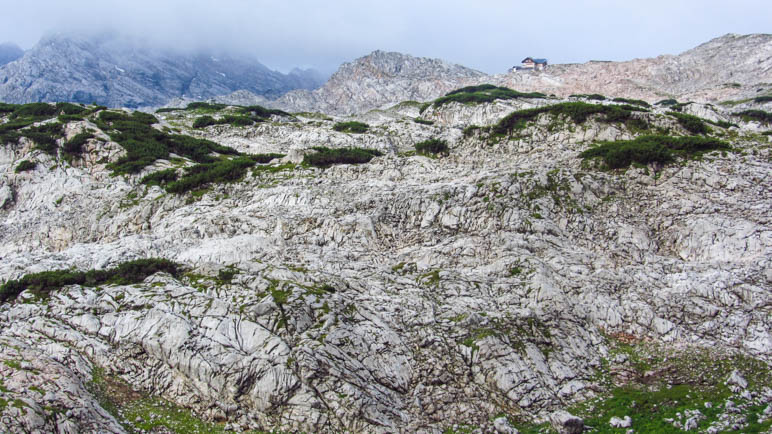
403, 295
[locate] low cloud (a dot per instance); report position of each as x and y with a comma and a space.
489, 35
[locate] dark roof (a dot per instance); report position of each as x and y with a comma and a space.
526, 59
544, 61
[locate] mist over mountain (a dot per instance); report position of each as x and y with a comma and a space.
118, 72
9, 52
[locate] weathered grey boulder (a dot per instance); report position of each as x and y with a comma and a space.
566, 423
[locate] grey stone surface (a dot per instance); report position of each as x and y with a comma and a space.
463, 286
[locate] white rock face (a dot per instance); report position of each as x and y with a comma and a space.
405, 295
625, 422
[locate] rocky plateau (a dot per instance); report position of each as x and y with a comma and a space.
505, 286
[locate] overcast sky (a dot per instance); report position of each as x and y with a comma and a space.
489, 35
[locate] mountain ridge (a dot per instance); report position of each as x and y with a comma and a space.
699, 74
116, 72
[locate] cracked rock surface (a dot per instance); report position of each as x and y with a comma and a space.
403, 295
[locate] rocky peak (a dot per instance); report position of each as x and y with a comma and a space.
381, 79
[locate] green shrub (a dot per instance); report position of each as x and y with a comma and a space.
633, 108
34, 110
432, 147
639, 102
168, 109
201, 175
264, 158
351, 127
159, 178
666, 102
73, 146
423, 121
44, 136
67, 108
43, 284
7, 108
69, 118
482, 94
326, 157
473, 89
471, 130
205, 106
145, 144
755, 115
693, 124
594, 96
204, 121
765, 98
226, 275
261, 112
238, 121
25, 165
577, 111
650, 149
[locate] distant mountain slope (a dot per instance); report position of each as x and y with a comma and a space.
9, 52
115, 72
725, 68
378, 79
728, 67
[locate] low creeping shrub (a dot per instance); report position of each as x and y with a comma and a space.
204, 174
351, 127
432, 147
25, 165
691, 123
47, 282
594, 96
639, 102
482, 94
755, 115
651, 149
577, 111
145, 144
326, 157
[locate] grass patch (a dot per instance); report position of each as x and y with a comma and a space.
44, 283
482, 94
351, 127
326, 157
137, 412
667, 382
650, 149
